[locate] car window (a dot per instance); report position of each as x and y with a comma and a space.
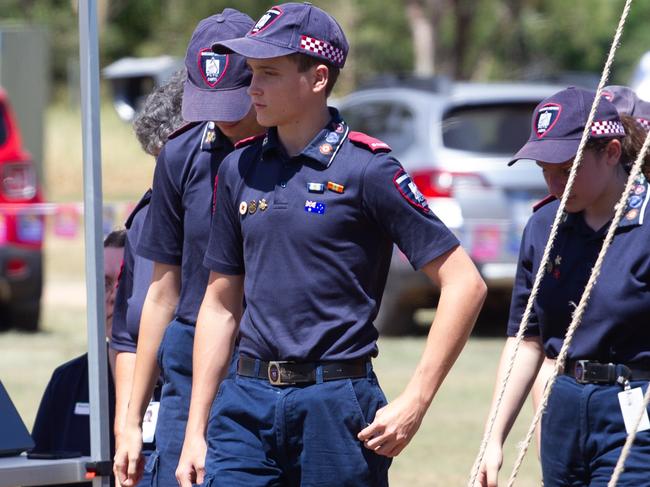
493, 129
392, 123
3, 125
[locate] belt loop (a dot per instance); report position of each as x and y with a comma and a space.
319, 374
257, 367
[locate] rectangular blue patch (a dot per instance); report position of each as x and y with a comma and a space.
314, 207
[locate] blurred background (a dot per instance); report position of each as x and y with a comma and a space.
449, 84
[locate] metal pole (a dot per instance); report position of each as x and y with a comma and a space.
97, 354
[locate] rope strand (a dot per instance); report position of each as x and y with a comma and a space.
620, 464
547, 250
582, 306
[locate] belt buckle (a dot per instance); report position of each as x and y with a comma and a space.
275, 374
580, 371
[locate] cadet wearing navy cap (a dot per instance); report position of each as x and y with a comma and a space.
304, 226
584, 427
158, 118
174, 237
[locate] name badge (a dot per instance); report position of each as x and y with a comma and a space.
82, 409
631, 402
149, 422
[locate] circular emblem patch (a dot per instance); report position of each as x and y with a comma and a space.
243, 208
639, 189
332, 138
325, 149
632, 214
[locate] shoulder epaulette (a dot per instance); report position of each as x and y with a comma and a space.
373, 145
543, 202
248, 140
182, 129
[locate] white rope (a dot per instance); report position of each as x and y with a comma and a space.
577, 314
620, 464
547, 250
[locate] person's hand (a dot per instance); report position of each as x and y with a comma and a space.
488, 475
394, 426
128, 464
191, 465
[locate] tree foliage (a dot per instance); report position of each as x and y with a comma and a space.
470, 39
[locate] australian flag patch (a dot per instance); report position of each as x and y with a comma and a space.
410, 191
212, 66
312, 206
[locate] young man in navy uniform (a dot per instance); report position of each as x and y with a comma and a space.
175, 236
304, 226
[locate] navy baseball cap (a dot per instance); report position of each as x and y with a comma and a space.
627, 103
291, 28
217, 84
559, 121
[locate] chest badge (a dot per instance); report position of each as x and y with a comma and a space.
315, 187
553, 268
243, 208
312, 206
326, 149
263, 205
337, 188
252, 207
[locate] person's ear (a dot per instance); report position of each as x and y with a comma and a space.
613, 151
320, 78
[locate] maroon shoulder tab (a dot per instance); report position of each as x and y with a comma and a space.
248, 140
543, 202
373, 145
182, 129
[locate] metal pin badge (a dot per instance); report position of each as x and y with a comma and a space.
263, 205
315, 187
243, 208
252, 207
337, 188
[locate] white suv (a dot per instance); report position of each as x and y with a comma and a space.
455, 140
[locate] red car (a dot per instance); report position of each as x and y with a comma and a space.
21, 228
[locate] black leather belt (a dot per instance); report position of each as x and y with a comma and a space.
591, 372
283, 373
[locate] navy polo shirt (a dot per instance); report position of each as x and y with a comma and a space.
313, 235
177, 226
133, 284
614, 326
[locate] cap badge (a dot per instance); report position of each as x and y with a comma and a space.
547, 117
266, 20
213, 66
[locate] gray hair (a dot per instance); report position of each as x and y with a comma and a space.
160, 115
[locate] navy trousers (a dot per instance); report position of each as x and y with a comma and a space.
583, 434
175, 362
260, 435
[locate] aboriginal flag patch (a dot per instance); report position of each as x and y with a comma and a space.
410, 191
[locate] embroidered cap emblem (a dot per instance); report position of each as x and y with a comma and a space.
547, 117
212, 66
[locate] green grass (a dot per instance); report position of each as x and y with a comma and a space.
442, 452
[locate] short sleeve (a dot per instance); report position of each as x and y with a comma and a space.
390, 198
225, 253
523, 286
121, 339
162, 235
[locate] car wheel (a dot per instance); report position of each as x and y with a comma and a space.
24, 316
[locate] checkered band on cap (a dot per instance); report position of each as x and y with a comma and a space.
322, 48
607, 127
644, 122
